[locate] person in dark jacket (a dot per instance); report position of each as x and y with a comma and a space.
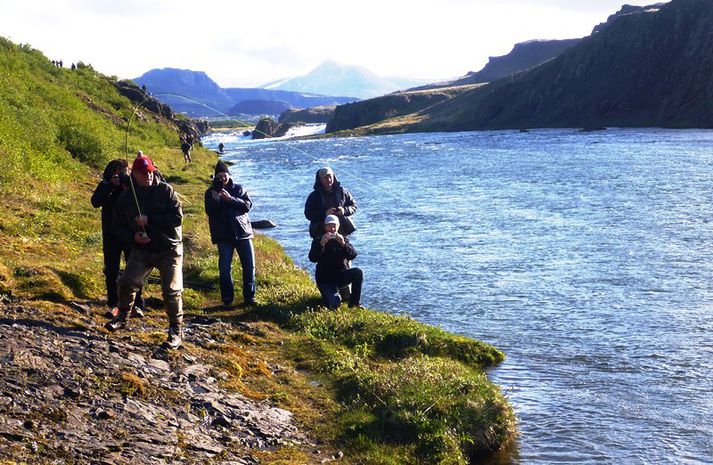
114, 182
329, 198
151, 216
333, 253
227, 205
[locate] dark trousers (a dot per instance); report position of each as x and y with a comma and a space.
330, 288
246, 253
113, 248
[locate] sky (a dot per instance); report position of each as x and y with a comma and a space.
246, 44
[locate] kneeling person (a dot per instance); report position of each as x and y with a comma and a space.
156, 234
332, 253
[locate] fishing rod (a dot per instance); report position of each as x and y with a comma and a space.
268, 136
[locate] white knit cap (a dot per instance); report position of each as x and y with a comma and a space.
331, 219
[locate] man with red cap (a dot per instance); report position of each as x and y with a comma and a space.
150, 216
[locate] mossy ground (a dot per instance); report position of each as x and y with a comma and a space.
384, 389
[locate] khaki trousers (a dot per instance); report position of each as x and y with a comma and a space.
170, 268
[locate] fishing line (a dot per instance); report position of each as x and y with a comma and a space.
268, 136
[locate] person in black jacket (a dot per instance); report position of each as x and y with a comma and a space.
227, 205
150, 215
105, 196
329, 198
333, 253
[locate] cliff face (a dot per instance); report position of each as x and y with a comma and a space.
651, 67
523, 56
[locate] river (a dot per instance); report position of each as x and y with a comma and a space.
586, 257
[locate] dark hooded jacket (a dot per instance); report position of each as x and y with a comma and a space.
228, 220
105, 196
160, 203
331, 259
319, 201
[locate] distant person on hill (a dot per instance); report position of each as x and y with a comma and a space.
115, 180
333, 253
329, 198
186, 149
227, 205
155, 230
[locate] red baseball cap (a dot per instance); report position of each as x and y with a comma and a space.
143, 164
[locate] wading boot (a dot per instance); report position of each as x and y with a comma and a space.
111, 312
120, 321
137, 312
175, 336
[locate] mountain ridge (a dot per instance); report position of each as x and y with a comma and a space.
195, 91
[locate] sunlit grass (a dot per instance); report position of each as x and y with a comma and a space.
386, 389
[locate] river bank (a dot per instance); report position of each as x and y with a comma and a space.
583, 256
361, 387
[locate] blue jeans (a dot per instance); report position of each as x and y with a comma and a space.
330, 289
225, 265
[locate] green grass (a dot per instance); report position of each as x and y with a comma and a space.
385, 389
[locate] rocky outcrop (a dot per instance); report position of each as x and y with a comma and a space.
75, 395
370, 111
138, 96
308, 115
627, 10
268, 127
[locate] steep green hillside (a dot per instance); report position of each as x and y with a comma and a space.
385, 389
58, 129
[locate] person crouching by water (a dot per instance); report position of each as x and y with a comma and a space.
115, 180
227, 205
329, 198
332, 253
155, 230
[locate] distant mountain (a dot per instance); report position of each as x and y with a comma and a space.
332, 78
196, 94
259, 107
647, 66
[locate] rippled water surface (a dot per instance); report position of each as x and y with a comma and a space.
586, 258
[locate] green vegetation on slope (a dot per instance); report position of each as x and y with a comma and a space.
389, 390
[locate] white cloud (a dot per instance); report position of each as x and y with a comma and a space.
241, 43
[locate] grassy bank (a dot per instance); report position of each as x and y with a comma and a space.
384, 389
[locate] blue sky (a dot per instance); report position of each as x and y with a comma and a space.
241, 43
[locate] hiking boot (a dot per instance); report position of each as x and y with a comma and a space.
249, 303
175, 336
137, 312
120, 321
112, 312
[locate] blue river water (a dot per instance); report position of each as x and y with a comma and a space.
586, 257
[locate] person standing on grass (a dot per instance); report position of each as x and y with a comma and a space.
329, 198
333, 253
151, 216
114, 181
227, 205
